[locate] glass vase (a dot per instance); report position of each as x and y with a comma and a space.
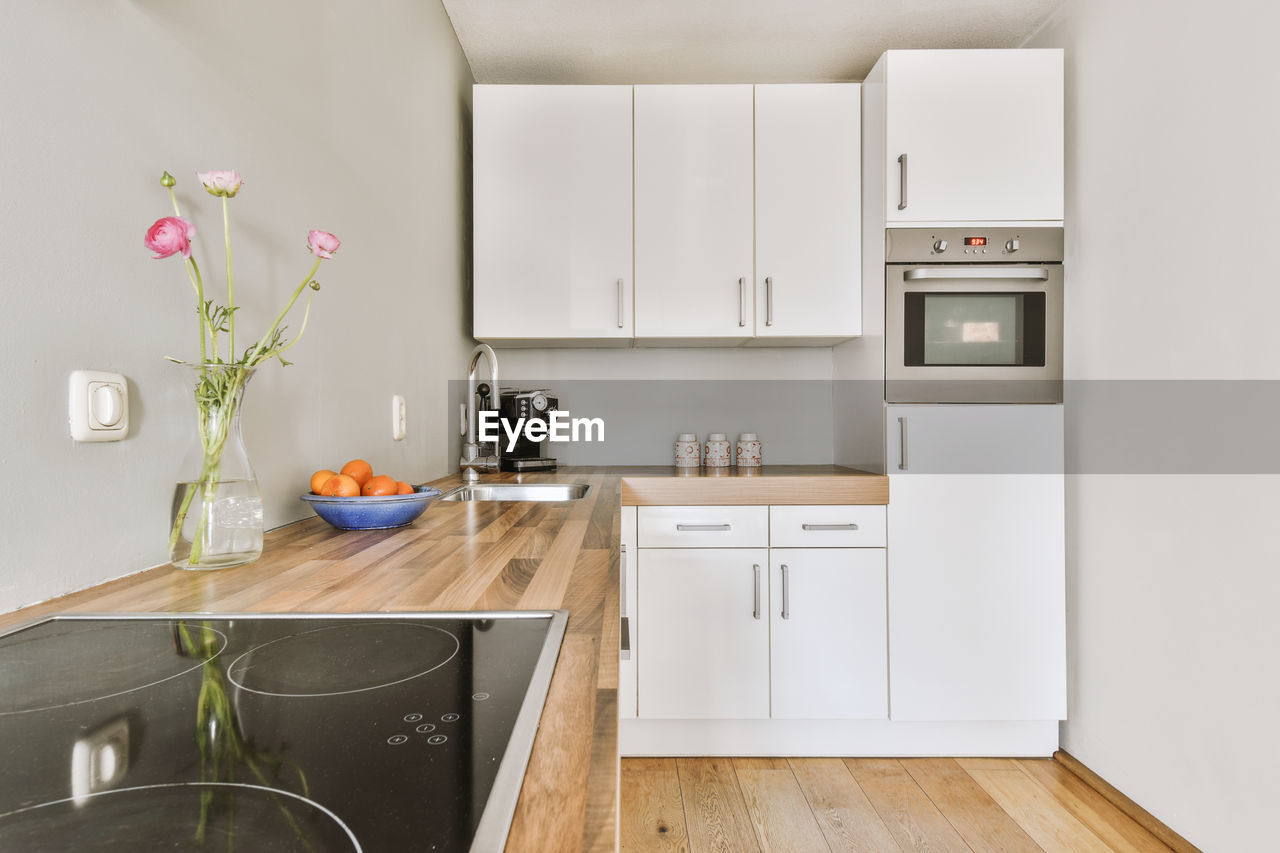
216, 518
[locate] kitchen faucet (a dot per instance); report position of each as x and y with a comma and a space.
472, 462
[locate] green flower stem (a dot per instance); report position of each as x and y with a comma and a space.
193, 273
216, 399
258, 353
231, 291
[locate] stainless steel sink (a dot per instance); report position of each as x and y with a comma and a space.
518, 492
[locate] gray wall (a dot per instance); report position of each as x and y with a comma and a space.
1172, 581
344, 116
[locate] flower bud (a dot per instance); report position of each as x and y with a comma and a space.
167, 180
315, 285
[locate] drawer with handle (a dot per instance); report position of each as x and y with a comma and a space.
703, 527
827, 526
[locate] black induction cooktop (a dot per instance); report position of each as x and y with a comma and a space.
255, 732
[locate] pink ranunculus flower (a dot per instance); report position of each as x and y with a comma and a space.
224, 182
170, 236
322, 244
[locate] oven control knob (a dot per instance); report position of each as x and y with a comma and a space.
1011, 246
940, 245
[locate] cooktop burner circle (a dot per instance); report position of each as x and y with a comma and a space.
173, 816
48, 671
340, 659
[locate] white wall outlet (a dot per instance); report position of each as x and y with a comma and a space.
99, 406
397, 417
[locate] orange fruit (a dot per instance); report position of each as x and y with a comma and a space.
318, 478
379, 485
358, 470
340, 486
403, 488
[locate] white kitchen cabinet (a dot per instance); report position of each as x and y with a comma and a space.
828, 656
976, 563
967, 135
807, 202
703, 639
694, 212
552, 214
627, 588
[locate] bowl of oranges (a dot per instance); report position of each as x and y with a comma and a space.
354, 498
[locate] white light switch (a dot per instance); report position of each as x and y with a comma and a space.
99, 406
397, 417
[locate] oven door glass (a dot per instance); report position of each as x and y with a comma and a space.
975, 329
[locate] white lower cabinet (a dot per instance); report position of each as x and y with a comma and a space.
828, 657
627, 610
752, 633
704, 635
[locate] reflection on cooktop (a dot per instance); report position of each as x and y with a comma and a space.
269, 732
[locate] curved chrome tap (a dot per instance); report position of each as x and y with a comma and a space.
472, 462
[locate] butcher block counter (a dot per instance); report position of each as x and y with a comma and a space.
491, 556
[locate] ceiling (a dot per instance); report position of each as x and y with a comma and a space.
721, 41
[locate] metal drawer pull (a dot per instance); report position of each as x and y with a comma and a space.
786, 592
768, 301
714, 528
625, 646
902, 435
620, 289
902, 182
742, 302
756, 612
828, 527
979, 273
622, 566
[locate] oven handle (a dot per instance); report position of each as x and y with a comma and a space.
1029, 274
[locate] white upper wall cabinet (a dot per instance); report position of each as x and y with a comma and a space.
553, 207
972, 135
807, 197
694, 212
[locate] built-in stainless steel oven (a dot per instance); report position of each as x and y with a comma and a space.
973, 315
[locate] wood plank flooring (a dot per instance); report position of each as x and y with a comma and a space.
868, 805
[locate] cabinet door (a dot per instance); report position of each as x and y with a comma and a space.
553, 212
694, 212
982, 132
977, 619
627, 610
703, 633
808, 232
827, 617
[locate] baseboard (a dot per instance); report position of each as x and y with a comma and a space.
1111, 794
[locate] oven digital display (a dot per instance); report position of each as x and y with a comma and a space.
975, 241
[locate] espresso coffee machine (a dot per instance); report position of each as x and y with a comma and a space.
535, 405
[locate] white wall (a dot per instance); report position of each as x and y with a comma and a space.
347, 116
1172, 579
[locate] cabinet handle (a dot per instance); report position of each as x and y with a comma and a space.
902, 438
756, 612
620, 289
714, 528
850, 526
742, 302
624, 644
768, 300
786, 592
902, 182
622, 565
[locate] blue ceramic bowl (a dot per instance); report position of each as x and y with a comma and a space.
373, 513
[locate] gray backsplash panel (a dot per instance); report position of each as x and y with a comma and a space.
793, 418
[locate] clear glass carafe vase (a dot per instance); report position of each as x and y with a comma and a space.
216, 518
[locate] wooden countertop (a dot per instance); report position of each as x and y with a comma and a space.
484, 556
768, 484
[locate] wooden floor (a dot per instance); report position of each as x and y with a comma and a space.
737, 805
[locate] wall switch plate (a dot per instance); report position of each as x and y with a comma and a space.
100, 759
398, 423
99, 406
